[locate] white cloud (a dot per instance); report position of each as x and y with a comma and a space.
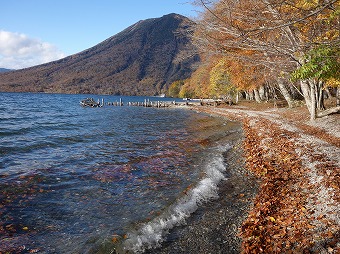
20, 51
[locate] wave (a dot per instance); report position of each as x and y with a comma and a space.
152, 234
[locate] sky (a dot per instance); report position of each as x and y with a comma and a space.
33, 32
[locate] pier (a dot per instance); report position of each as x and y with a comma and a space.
146, 103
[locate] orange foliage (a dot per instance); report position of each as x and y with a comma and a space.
243, 77
246, 77
275, 32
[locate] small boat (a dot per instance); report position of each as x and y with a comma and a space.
89, 102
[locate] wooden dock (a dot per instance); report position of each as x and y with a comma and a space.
90, 102
147, 103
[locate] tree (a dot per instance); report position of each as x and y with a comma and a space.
220, 85
322, 66
186, 91
175, 88
248, 78
278, 33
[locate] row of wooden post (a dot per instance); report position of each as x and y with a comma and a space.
146, 103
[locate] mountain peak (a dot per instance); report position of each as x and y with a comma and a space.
143, 59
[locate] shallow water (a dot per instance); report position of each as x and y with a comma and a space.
73, 179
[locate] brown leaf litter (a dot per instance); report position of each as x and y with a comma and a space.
297, 209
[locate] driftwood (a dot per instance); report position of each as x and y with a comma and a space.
328, 112
89, 102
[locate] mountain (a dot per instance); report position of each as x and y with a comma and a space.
143, 59
5, 70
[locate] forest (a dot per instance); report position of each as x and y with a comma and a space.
265, 50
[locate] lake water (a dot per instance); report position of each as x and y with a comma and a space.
88, 180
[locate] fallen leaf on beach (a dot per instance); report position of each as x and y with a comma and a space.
285, 217
115, 238
34, 251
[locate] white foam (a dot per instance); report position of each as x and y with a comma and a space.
152, 233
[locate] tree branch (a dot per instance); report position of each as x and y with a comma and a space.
328, 112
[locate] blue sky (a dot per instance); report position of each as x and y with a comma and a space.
38, 31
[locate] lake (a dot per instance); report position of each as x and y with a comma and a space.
85, 180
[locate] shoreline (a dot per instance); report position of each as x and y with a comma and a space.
297, 205
213, 227
297, 209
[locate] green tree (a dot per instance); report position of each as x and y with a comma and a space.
321, 66
321, 63
175, 88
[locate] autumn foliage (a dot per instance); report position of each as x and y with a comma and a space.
267, 41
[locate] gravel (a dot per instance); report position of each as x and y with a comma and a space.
214, 227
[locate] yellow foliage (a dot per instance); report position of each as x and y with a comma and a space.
187, 91
307, 4
332, 82
219, 82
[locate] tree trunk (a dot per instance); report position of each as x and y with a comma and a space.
313, 100
306, 94
338, 96
321, 100
329, 111
267, 92
286, 94
308, 90
257, 96
328, 93
320, 96
262, 93
249, 95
